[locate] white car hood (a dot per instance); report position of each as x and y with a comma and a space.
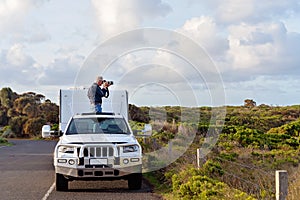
97, 138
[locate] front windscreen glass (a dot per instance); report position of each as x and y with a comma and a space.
98, 126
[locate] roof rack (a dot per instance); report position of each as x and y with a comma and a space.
98, 113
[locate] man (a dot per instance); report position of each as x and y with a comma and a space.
95, 94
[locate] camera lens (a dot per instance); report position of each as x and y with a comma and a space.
108, 82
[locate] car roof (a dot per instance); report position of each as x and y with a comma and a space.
97, 115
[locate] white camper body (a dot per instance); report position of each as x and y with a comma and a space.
75, 101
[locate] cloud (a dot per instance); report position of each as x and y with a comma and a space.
115, 16
13, 12
251, 11
265, 48
17, 66
205, 31
61, 71
17, 57
36, 33
248, 38
14, 24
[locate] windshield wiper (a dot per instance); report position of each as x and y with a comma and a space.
116, 133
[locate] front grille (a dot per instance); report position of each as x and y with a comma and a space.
98, 152
98, 166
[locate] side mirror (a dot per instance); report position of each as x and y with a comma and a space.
46, 129
47, 133
146, 132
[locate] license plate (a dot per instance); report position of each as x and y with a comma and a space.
99, 161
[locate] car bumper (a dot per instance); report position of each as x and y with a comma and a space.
98, 173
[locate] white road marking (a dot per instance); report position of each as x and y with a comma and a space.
49, 192
33, 154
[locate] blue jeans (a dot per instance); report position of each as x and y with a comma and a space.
98, 108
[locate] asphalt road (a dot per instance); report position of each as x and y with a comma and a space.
26, 172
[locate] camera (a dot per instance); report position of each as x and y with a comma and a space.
108, 82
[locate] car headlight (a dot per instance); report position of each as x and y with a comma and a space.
63, 149
131, 148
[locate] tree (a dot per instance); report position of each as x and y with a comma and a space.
249, 103
3, 117
39, 98
16, 124
139, 114
49, 111
31, 110
7, 97
21, 102
12, 113
33, 126
26, 113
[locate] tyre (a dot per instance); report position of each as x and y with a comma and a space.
61, 182
135, 181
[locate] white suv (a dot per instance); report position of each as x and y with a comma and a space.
97, 147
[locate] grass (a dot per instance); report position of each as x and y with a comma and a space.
4, 142
154, 181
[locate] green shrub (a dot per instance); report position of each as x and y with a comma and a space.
229, 156
292, 129
55, 127
7, 132
191, 183
195, 186
3, 140
212, 168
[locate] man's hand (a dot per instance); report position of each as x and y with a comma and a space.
106, 85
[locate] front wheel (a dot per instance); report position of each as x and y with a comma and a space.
61, 182
135, 181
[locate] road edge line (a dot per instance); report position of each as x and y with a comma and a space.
49, 192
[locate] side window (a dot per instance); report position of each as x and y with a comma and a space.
72, 128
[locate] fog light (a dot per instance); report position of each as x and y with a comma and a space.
125, 161
71, 162
62, 161
134, 159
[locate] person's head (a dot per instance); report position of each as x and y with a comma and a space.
99, 80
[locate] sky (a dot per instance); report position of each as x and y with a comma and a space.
164, 52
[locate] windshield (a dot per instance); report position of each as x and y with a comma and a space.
97, 126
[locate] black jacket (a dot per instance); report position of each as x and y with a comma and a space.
95, 94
